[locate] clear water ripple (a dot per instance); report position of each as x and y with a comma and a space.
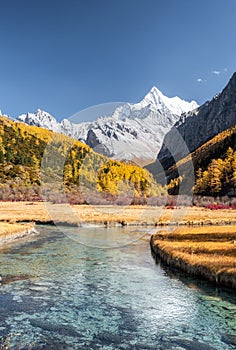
77, 297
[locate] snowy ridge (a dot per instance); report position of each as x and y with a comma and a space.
134, 132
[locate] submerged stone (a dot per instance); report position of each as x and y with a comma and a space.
191, 344
65, 330
229, 339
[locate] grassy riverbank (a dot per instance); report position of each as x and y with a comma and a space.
208, 252
9, 231
130, 215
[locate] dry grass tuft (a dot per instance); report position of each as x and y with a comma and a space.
12, 231
205, 251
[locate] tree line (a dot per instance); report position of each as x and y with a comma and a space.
32, 157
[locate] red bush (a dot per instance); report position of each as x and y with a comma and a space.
218, 206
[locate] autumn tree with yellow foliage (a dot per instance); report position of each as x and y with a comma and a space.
32, 157
219, 176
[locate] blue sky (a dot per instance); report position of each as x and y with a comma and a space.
66, 55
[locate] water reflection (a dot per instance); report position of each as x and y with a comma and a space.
201, 285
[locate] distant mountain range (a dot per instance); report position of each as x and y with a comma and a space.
186, 136
134, 132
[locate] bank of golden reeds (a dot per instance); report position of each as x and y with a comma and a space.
208, 252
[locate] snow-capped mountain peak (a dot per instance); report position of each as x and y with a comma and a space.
133, 131
154, 97
40, 118
175, 104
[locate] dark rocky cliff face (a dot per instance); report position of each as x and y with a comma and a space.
195, 128
94, 142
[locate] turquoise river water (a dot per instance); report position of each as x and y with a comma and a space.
60, 294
